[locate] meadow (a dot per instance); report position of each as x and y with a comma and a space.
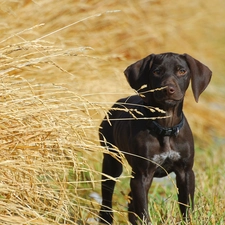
61, 68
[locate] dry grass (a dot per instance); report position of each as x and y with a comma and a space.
45, 131
61, 67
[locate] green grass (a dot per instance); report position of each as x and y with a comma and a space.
163, 205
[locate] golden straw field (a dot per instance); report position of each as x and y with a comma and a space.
61, 68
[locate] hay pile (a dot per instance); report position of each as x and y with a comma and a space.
43, 139
44, 133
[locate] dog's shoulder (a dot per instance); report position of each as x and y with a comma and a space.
131, 106
130, 101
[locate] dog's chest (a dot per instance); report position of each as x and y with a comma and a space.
170, 155
165, 153
165, 158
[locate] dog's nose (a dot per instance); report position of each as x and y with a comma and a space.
170, 90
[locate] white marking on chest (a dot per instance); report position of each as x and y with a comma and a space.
171, 155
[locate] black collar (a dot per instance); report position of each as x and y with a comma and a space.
157, 129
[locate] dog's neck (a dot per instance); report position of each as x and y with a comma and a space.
169, 125
172, 114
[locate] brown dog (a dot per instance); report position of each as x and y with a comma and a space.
153, 148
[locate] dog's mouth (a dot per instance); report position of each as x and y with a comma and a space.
171, 102
167, 97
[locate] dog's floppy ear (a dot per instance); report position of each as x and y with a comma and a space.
200, 76
135, 73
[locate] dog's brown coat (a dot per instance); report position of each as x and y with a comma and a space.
144, 148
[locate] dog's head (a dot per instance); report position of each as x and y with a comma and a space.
168, 74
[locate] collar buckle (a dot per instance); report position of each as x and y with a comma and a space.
166, 131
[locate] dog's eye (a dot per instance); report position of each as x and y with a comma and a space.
156, 72
181, 72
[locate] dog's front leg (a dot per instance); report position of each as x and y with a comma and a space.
138, 207
186, 187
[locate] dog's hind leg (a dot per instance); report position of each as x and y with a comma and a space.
113, 168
